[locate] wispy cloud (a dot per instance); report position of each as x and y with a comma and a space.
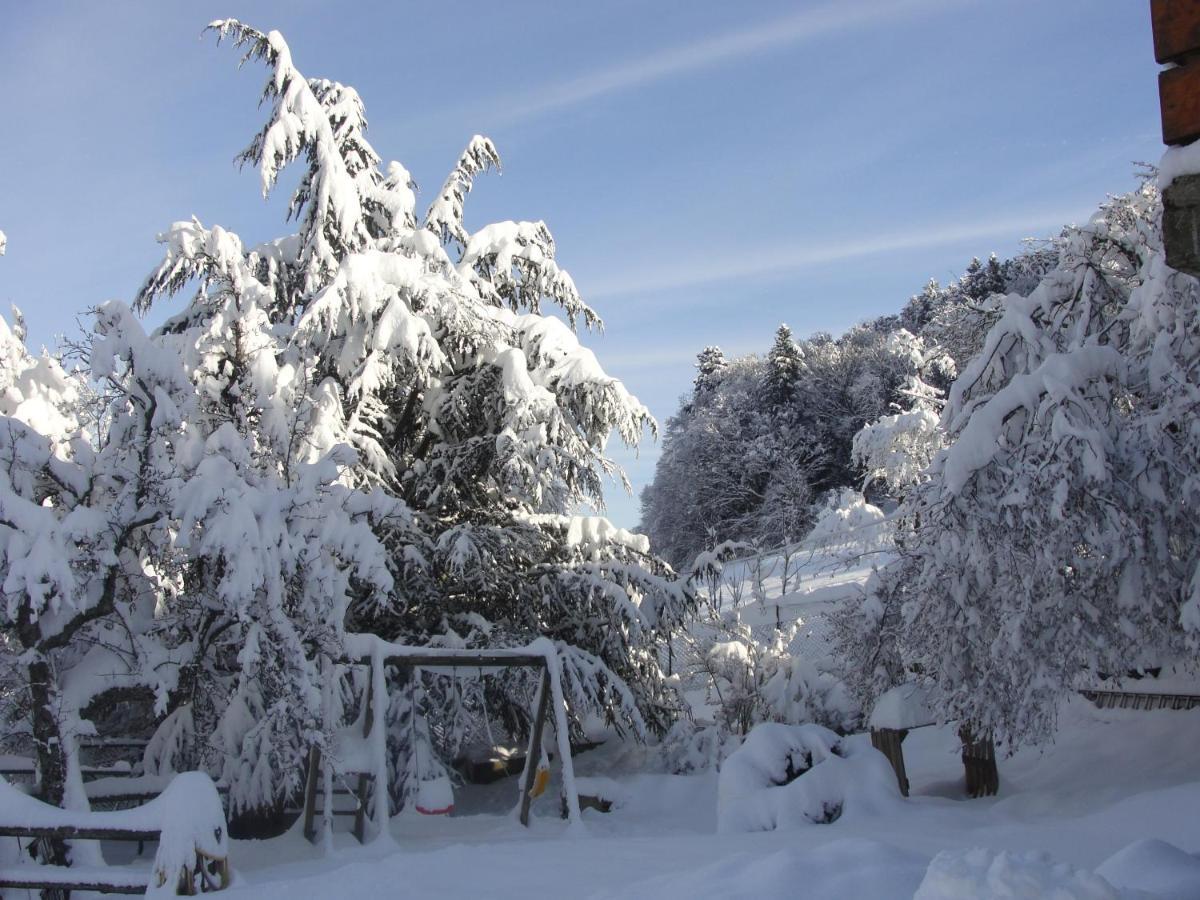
659, 357
706, 265
794, 29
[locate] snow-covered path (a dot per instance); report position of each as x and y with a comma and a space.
1114, 778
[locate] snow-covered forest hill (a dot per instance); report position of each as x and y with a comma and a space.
762, 440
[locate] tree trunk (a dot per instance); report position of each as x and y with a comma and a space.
51, 756
979, 763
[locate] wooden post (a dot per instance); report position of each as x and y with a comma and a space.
534, 756
310, 794
360, 812
888, 741
360, 795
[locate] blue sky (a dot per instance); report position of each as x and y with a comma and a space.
708, 169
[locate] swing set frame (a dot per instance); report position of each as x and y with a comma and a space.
413, 658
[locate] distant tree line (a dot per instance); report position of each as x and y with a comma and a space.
760, 440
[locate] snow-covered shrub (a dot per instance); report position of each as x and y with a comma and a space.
897, 449
690, 748
750, 679
796, 690
192, 821
848, 527
789, 776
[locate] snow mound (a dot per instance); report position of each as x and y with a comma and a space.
1156, 866
605, 788
787, 776
983, 874
856, 868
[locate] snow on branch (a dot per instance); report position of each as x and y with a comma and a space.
445, 215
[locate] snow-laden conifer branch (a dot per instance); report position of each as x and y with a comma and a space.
445, 214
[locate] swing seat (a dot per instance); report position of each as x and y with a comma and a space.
485, 763
541, 778
435, 796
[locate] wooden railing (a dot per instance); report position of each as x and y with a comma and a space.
1141, 700
186, 821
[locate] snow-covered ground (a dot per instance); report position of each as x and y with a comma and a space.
1113, 784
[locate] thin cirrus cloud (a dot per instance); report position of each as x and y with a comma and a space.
794, 29
726, 263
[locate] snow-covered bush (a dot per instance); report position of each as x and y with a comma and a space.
865, 641
689, 748
848, 528
748, 678
790, 776
897, 449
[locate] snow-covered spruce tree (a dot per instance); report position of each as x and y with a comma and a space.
710, 366
425, 347
785, 363
1056, 536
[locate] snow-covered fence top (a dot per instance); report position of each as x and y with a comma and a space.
186, 819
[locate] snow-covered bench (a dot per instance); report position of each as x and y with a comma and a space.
187, 820
907, 706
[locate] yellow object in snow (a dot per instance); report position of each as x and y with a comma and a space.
541, 778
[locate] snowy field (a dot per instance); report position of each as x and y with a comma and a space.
1101, 798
